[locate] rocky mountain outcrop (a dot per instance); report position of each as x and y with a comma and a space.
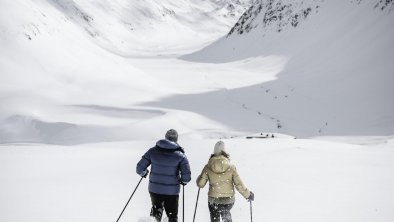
277, 15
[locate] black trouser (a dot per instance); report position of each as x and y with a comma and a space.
220, 210
167, 202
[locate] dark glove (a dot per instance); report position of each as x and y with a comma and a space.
182, 183
145, 173
251, 196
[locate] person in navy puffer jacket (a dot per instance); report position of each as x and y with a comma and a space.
169, 169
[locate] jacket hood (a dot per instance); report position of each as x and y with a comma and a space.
167, 144
219, 164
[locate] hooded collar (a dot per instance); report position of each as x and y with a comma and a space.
167, 144
219, 164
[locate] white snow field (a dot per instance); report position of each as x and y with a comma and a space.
293, 180
86, 87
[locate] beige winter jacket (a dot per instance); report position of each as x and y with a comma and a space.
222, 177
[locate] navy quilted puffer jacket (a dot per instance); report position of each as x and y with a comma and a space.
169, 167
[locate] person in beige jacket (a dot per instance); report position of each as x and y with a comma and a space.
222, 177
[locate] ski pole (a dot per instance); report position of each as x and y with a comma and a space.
195, 208
251, 214
183, 203
129, 199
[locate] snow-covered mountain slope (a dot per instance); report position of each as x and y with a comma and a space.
126, 27
339, 71
273, 26
64, 77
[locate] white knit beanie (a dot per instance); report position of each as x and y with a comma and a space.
219, 147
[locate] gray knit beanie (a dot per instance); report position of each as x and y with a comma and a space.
172, 135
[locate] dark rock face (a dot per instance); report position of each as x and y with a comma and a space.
383, 4
275, 14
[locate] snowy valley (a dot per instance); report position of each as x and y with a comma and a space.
87, 86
